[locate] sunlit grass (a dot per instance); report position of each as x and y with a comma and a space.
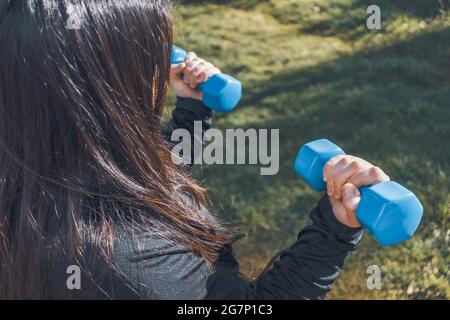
315, 73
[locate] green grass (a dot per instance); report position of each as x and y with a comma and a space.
312, 69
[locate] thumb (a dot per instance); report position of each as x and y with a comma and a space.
177, 69
350, 197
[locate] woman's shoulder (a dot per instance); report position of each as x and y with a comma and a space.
158, 267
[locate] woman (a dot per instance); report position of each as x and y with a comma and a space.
86, 177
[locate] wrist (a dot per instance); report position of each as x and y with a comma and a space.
339, 229
344, 215
194, 106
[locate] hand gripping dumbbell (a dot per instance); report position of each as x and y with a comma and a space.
388, 211
221, 92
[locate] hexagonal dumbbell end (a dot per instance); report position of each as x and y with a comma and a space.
178, 55
221, 92
389, 212
312, 159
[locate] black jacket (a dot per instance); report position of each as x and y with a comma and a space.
161, 269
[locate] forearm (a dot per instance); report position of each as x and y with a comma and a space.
186, 113
308, 268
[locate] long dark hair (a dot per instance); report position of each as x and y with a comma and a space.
82, 89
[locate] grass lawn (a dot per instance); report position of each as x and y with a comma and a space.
313, 70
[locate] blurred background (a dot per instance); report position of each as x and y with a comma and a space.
313, 70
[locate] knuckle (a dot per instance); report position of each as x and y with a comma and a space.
376, 171
202, 66
345, 161
356, 165
338, 158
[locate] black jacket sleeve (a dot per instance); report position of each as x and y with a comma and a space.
188, 111
158, 268
304, 271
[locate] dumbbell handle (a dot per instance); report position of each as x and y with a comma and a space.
221, 92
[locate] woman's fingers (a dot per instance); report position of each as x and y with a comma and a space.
329, 165
177, 69
369, 176
349, 169
338, 172
190, 56
197, 70
189, 77
326, 173
339, 165
186, 76
190, 60
203, 71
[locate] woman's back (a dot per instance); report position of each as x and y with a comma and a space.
82, 90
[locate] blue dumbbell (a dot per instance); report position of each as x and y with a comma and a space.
221, 92
388, 211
